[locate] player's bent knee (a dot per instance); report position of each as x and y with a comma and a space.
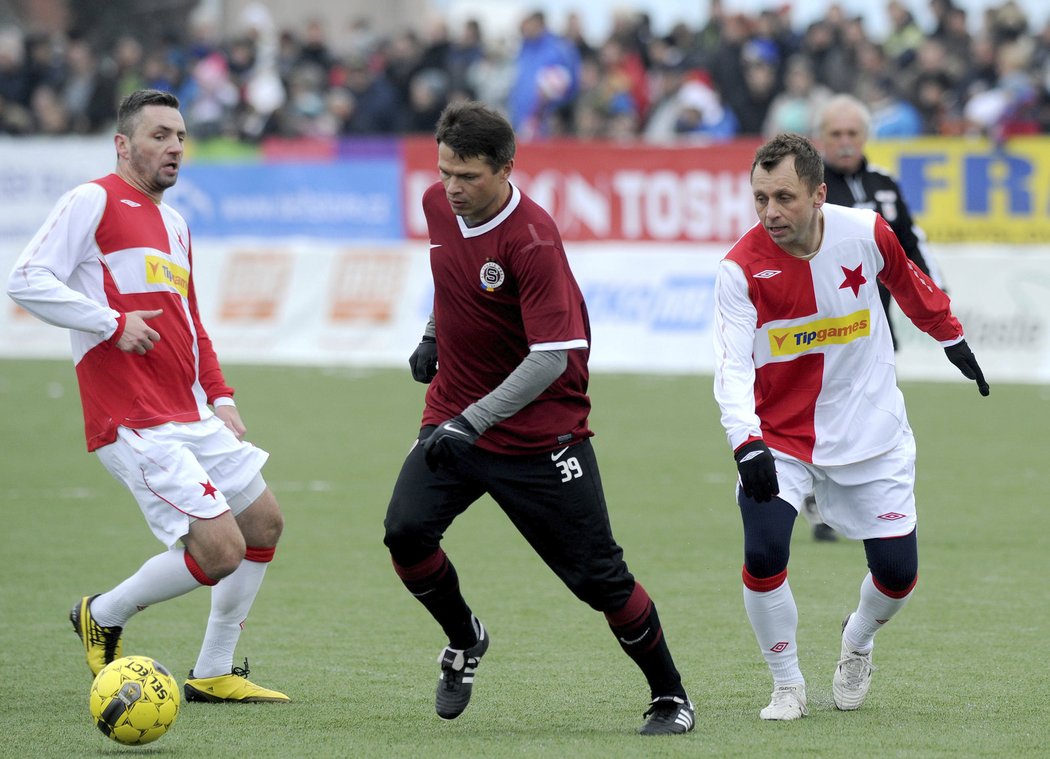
218, 562
407, 544
262, 521
894, 562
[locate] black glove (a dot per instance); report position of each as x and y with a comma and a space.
424, 360
448, 442
758, 471
961, 355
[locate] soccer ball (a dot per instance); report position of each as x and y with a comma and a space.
134, 700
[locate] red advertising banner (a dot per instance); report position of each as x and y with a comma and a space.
608, 191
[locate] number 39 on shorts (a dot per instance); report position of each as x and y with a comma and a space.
570, 468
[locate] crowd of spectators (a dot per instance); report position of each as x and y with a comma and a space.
738, 75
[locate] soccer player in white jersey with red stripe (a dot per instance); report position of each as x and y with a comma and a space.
806, 385
113, 265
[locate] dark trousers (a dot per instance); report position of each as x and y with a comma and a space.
554, 500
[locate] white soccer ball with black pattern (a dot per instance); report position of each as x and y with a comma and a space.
134, 700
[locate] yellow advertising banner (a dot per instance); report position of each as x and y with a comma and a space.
972, 190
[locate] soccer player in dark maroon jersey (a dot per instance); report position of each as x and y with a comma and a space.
506, 414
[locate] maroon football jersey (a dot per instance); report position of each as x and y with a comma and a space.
502, 289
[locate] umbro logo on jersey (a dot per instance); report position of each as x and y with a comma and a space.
131, 203
891, 516
767, 274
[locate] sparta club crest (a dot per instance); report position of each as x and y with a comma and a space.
492, 276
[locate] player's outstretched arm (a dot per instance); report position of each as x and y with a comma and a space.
961, 355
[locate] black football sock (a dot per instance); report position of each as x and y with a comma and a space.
637, 628
435, 584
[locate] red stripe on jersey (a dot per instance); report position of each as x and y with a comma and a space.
131, 219
786, 401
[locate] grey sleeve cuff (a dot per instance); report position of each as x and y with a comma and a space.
521, 387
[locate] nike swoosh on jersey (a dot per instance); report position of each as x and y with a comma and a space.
433, 245
558, 454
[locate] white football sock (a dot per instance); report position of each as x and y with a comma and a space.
874, 611
231, 600
774, 618
162, 577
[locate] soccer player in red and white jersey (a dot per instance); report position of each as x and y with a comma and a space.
506, 414
113, 265
806, 384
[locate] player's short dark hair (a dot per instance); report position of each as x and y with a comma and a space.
472, 130
808, 164
132, 105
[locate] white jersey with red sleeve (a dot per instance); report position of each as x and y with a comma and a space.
804, 355
105, 250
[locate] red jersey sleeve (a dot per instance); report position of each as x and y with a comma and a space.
925, 304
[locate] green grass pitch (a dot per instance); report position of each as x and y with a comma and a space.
961, 672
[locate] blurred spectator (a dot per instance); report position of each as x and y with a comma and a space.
128, 64
605, 105
545, 83
467, 50
793, 109
44, 61
428, 95
708, 40
401, 56
761, 61
50, 115
574, 34
492, 78
905, 36
937, 105
14, 75
314, 47
952, 32
88, 91
834, 65
15, 118
1010, 107
625, 77
892, 116
209, 98
377, 108
698, 115
725, 62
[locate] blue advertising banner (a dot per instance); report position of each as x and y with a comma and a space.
340, 199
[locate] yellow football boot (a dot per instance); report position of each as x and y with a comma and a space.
101, 644
232, 688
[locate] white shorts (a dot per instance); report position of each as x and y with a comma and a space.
870, 499
182, 472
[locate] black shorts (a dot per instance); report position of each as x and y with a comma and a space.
555, 500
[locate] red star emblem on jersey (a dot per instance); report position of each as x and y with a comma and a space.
854, 279
209, 489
